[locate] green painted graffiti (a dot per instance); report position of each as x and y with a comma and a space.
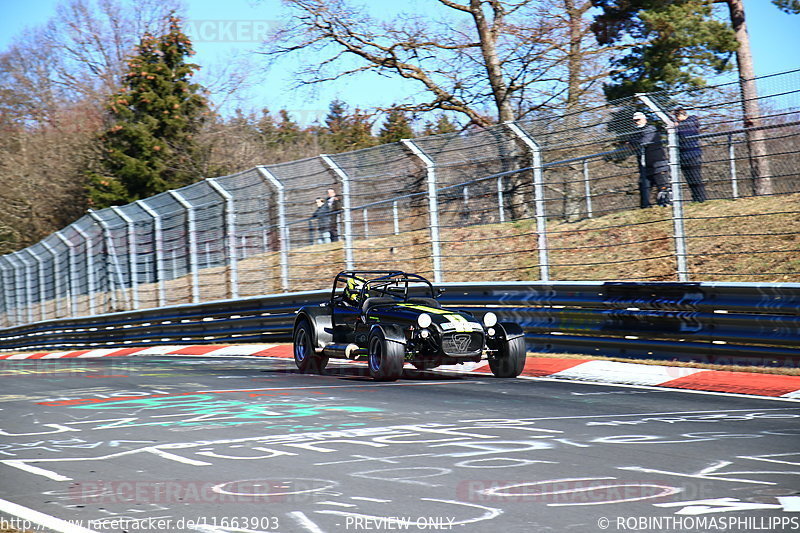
208, 409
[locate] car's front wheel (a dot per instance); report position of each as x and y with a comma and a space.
306, 359
509, 358
385, 357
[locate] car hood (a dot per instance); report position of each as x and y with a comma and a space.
444, 319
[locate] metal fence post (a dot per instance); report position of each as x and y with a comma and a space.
159, 251
395, 218
732, 163
538, 188
72, 290
192, 232
675, 184
500, 200
433, 207
23, 288
133, 268
230, 235
346, 209
587, 188
42, 288
283, 229
91, 282
56, 278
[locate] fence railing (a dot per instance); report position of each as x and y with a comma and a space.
554, 198
723, 323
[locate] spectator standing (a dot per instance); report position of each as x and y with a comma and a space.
319, 222
653, 167
691, 155
334, 206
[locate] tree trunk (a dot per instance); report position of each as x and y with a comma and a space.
488, 40
572, 178
756, 147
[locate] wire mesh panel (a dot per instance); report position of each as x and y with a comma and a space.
59, 286
257, 232
387, 196
208, 211
176, 265
310, 267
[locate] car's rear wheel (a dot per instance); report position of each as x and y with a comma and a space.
306, 359
509, 360
385, 357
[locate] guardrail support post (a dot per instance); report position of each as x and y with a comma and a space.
347, 213
72, 291
433, 207
133, 269
158, 239
230, 235
283, 229
192, 231
675, 184
56, 279
538, 189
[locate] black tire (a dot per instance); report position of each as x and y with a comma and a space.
385, 357
306, 359
509, 360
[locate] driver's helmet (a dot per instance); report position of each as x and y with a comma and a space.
352, 290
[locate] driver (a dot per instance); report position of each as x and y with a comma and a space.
352, 291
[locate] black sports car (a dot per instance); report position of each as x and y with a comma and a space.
390, 318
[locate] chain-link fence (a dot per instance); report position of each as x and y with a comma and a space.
550, 198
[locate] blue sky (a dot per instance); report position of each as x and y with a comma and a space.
774, 35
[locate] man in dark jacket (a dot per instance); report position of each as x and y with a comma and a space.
690, 153
653, 167
334, 207
319, 222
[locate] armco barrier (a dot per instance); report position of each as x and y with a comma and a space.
710, 322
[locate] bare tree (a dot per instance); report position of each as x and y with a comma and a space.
480, 55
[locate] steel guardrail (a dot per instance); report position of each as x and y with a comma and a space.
711, 322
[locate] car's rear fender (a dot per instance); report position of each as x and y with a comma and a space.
320, 320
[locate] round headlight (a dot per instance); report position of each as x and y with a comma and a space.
489, 319
424, 320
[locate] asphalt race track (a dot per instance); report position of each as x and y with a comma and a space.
231, 445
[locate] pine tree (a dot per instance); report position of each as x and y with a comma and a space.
396, 128
677, 42
440, 126
150, 146
344, 131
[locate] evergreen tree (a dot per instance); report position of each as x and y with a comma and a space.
440, 126
675, 43
344, 131
150, 146
396, 128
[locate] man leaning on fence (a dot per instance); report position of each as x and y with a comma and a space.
653, 166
